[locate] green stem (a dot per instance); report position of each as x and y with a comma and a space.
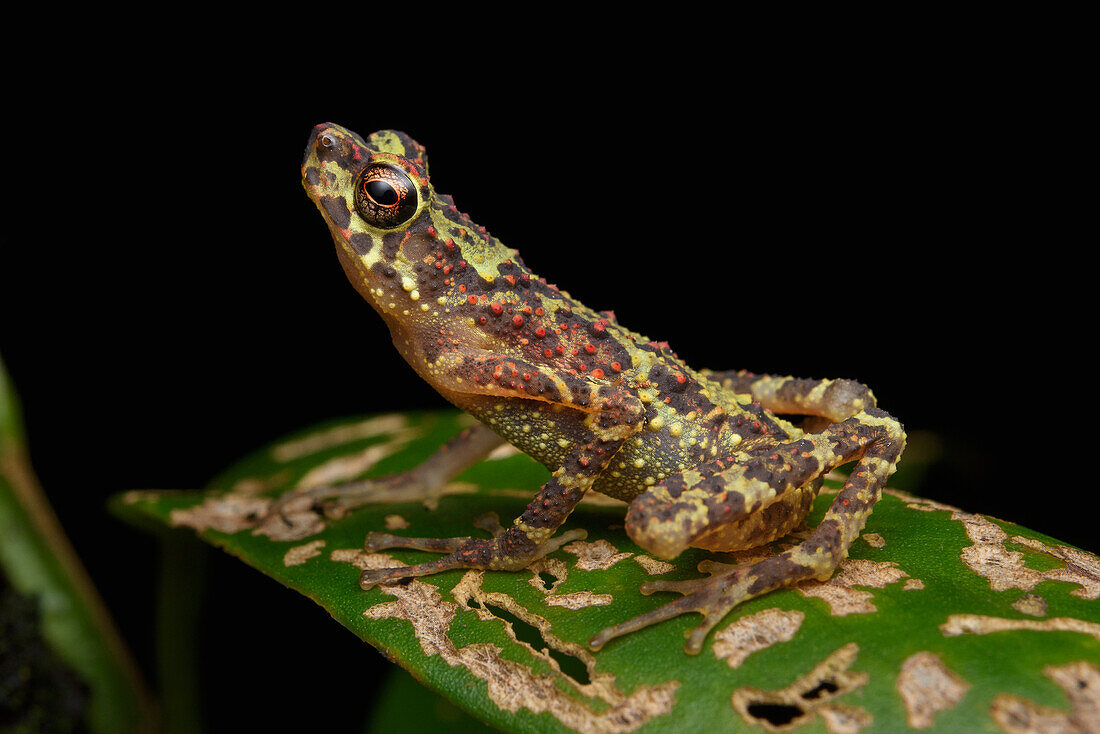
179, 599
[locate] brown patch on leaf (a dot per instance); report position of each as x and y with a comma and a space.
348, 467
755, 632
838, 593
841, 718
1082, 568
1080, 681
227, 513
394, 423
294, 522
653, 566
812, 694
913, 585
363, 559
579, 600
243, 508
976, 624
1032, 604
873, 539
1005, 569
232, 513
921, 507
299, 554
597, 556
926, 687
511, 685
396, 522
490, 605
547, 567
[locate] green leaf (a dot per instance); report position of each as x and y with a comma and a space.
37, 560
939, 617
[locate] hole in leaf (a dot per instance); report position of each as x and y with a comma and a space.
571, 666
548, 580
825, 686
776, 714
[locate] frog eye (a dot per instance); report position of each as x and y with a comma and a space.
385, 196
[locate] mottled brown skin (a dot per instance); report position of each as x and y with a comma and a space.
701, 456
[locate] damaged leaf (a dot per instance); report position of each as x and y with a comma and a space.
904, 636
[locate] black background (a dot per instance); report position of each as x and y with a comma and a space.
174, 301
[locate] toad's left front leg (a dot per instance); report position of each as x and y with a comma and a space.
727, 493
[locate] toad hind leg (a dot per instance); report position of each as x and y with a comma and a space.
423, 483
871, 436
529, 537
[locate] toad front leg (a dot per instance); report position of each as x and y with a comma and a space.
610, 418
669, 517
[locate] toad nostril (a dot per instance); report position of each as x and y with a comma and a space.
328, 140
